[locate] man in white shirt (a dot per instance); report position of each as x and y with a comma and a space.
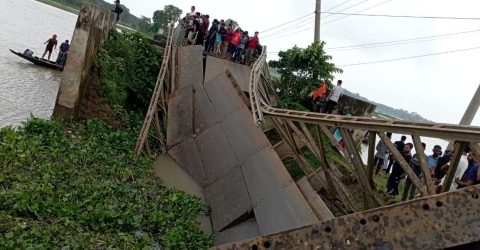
333, 97
193, 12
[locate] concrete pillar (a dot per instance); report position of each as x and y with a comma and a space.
91, 31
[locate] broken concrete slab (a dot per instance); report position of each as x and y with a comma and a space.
240, 72
245, 230
265, 175
223, 96
245, 138
285, 210
204, 115
228, 198
173, 176
216, 153
190, 66
187, 156
180, 116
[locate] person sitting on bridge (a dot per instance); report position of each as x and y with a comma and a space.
62, 55
118, 9
51, 44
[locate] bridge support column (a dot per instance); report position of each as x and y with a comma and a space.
91, 31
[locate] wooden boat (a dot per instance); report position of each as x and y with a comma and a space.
38, 61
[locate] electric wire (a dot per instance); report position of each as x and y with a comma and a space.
403, 16
410, 57
289, 22
369, 8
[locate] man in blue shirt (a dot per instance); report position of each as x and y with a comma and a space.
432, 159
469, 178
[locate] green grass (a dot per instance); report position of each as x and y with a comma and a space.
80, 186
60, 6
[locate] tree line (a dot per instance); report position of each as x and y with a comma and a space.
159, 19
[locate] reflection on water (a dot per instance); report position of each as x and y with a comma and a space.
27, 89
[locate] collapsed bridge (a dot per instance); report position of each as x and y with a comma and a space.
210, 116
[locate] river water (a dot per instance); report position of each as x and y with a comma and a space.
27, 89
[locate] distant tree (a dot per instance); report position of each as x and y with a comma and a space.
161, 18
145, 24
233, 22
301, 70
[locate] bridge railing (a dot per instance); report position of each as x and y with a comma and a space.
154, 125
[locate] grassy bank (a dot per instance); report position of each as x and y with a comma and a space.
60, 6
80, 186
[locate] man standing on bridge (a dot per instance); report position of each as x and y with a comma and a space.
118, 9
333, 97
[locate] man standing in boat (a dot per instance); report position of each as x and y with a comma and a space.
62, 55
51, 44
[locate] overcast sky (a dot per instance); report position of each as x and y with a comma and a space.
437, 87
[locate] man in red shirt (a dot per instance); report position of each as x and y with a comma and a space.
232, 46
252, 44
226, 41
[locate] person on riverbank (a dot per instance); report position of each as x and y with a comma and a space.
397, 172
399, 145
410, 189
118, 9
333, 97
381, 154
469, 177
51, 44
319, 97
433, 158
62, 55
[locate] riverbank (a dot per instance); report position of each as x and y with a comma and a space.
122, 26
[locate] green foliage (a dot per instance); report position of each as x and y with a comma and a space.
232, 22
301, 70
80, 186
162, 18
128, 67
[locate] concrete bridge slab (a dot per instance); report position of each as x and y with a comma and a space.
216, 66
187, 156
228, 198
180, 116
223, 96
216, 153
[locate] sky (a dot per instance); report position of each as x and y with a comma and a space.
437, 87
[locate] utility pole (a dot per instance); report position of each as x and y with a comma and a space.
318, 9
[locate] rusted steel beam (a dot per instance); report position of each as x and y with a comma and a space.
428, 129
359, 169
423, 164
458, 149
334, 142
405, 166
434, 222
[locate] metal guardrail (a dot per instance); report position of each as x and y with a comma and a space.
158, 108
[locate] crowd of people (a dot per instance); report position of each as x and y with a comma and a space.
466, 174
220, 38
323, 100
